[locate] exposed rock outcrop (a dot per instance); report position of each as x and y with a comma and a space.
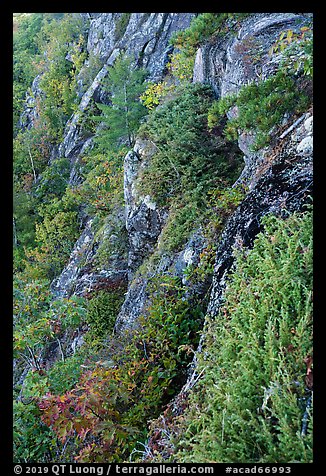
123, 250
85, 272
232, 61
176, 264
278, 178
145, 38
281, 184
144, 220
30, 113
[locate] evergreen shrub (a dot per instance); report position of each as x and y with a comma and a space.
252, 403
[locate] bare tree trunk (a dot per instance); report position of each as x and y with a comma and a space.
32, 162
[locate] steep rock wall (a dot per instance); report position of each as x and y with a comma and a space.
145, 38
228, 63
231, 61
274, 178
84, 273
279, 178
282, 184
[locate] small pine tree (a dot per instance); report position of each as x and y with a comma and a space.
122, 119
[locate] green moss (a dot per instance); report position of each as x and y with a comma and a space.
250, 404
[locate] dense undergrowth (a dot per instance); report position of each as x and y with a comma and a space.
93, 402
254, 400
201, 162
103, 415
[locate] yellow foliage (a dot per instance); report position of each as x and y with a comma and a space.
154, 93
181, 66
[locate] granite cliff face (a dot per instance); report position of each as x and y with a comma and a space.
145, 37
278, 178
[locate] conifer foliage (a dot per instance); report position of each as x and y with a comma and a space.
122, 118
84, 392
254, 402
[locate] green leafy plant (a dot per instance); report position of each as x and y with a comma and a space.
54, 181
62, 36
55, 237
102, 311
25, 53
154, 93
101, 189
40, 322
33, 442
105, 413
222, 202
296, 49
181, 66
87, 73
187, 162
65, 374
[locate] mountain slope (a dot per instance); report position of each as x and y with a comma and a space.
164, 161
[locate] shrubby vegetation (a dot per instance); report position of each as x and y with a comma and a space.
39, 324
260, 107
121, 25
102, 312
27, 52
251, 402
103, 415
92, 403
42, 43
101, 187
203, 28
189, 162
297, 50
